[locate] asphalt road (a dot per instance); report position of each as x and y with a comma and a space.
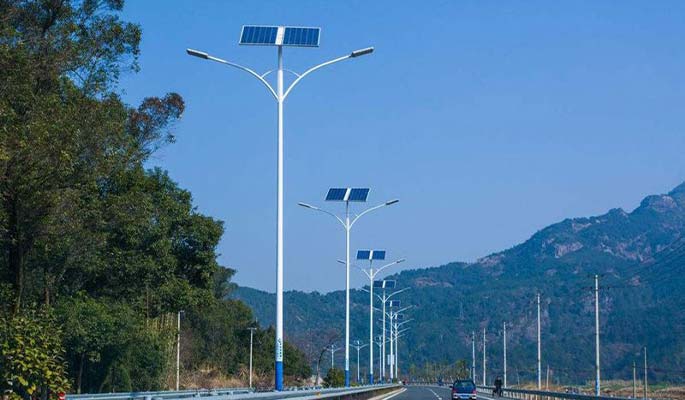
429, 393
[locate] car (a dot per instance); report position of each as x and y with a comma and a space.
464, 389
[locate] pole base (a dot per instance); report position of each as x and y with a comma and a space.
370, 379
279, 376
347, 378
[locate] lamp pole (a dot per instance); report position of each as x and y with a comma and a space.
178, 350
371, 274
473, 357
347, 224
279, 94
504, 339
539, 347
384, 298
597, 378
358, 345
252, 329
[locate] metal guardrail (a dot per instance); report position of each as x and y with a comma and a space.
525, 394
302, 393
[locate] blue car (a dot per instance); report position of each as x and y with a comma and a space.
464, 389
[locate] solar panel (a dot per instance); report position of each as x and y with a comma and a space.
389, 284
378, 284
378, 255
257, 35
358, 194
363, 254
302, 37
394, 303
400, 317
336, 194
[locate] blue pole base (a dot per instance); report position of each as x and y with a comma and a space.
279, 376
347, 378
370, 379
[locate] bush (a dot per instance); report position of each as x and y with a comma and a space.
334, 378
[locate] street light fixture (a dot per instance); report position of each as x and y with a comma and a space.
371, 256
358, 345
279, 36
384, 298
347, 195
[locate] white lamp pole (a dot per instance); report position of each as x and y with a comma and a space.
251, 337
347, 224
279, 95
384, 299
358, 345
371, 274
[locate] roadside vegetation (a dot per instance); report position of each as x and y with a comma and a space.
98, 253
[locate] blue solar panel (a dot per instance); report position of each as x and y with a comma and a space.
358, 194
378, 255
259, 35
394, 303
389, 284
363, 254
400, 317
378, 284
303, 37
336, 194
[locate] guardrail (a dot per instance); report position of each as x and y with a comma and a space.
525, 394
303, 393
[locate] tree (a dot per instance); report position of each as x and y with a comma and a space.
334, 378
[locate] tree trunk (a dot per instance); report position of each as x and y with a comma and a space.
15, 256
80, 374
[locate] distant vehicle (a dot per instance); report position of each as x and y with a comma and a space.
440, 383
464, 389
572, 390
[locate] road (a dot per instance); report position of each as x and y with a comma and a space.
428, 393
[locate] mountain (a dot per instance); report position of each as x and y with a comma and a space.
639, 255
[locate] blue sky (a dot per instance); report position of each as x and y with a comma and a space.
489, 120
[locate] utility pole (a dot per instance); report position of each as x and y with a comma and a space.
252, 329
547, 379
644, 389
539, 347
634, 380
473, 359
484, 369
504, 339
597, 377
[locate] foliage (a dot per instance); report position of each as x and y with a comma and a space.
334, 378
113, 248
32, 355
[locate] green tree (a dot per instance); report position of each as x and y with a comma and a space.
334, 378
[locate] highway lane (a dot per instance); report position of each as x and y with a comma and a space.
431, 393
424, 393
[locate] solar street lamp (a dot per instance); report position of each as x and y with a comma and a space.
358, 345
384, 298
348, 195
395, 310
279, 36
370, 256
398, 334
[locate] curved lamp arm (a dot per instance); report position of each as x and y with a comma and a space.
368, 210
203, 55
354, 54
397, 292
315, 208
388, 265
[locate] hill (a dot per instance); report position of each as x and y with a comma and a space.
639, 256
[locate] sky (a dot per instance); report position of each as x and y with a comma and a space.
489, 120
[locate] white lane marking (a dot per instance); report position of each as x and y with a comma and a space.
436, 395
394, 394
